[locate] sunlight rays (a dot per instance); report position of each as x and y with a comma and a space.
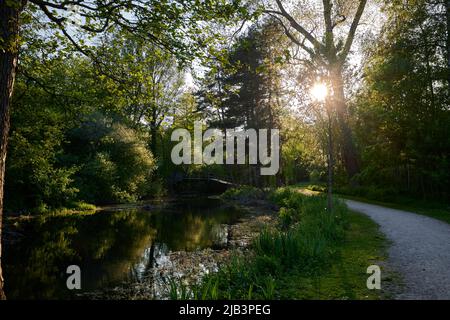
319, 91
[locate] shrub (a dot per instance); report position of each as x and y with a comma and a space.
243, 193
115, 164
34, 177
314, 176
386, 194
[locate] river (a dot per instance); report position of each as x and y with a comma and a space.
112, 247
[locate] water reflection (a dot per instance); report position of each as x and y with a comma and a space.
110, 247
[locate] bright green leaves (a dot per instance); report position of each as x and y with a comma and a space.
182, 27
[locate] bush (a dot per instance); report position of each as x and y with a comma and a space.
35, 176
156, 189
313, 229
243, 193
115, 165
314, 176
83, 206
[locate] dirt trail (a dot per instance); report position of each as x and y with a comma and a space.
420, 250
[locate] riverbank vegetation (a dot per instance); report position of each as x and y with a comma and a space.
436, 209
310, 254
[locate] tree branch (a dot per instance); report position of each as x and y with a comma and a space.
352, 32
293, 38
329, 36
298, 27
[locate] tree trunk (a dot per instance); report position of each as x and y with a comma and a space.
330, 160
348, 149
447, 5
9, 31
154, 130
153, 139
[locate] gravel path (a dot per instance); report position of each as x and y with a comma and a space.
420, 250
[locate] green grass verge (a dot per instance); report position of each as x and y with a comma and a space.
310, 254
346, 278
433, 209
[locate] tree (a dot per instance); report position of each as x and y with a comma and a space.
404, 103
254, 80
113, 161
175, 26
447, 11
146, 81
242, 88
328, 46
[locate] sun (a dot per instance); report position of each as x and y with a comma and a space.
319, 91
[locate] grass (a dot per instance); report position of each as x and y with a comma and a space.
433, 209
74, 208
311, 254
243, 193
364, 245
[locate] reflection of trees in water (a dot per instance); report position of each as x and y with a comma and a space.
190, 230
109, 247
104, 245
117, 247
38, 266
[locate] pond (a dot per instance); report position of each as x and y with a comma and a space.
110, 247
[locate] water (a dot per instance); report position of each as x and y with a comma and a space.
110, 247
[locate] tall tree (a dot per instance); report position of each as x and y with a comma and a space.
404, 102
146, 81
243, 90
9, 48
328, 48
447, 11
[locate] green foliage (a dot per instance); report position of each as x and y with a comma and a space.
61, 150
241, 88
300, 152
178, 291
35, 174
243, 193
143, 82
115, 164
314, 176
54, 159
307, 245
135, 77
172, 25
385, 194
401, 114
346, 277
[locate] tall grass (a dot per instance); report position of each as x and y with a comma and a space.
305, 242
310, 238
243, 193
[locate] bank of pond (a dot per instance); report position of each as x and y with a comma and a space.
248, 244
